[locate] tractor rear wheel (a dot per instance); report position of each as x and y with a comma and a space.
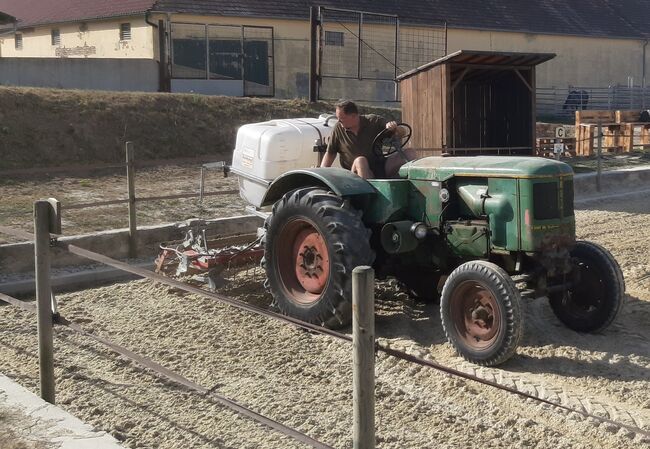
596, 296
481, 314
314, 239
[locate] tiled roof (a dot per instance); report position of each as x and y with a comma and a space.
39, 12
613, 18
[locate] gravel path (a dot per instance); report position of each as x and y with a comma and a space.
304, 380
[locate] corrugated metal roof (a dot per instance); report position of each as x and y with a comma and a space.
603, 18
6, 18
613, 18
485, 58
38, 12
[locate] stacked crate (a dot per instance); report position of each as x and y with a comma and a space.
618, 129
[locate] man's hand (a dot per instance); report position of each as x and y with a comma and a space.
397, 131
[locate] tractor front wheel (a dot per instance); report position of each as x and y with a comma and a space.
481, 313
596, 296
314, 239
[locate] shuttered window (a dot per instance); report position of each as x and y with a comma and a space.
19, 41
56, 37
125, 32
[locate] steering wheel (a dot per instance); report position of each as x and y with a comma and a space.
384, 144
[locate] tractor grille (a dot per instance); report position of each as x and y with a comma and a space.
568, 198
546, 204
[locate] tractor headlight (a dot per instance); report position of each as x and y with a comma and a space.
444, 195
419, 230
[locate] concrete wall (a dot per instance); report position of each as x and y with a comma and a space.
580, 61
95, 74
96, 39
19, 257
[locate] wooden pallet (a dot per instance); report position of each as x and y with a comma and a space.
618, 128
546, 145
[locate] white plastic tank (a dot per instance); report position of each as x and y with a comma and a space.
266, 150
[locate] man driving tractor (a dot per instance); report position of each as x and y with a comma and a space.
353, 138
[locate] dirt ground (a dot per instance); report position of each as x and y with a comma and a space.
305, 380
87, 127
19, 193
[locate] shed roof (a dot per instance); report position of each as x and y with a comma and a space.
484, 58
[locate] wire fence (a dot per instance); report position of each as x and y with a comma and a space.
562, 102
370, 50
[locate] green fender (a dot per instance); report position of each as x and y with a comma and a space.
338, 180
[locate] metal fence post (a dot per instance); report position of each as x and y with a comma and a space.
363, 340
44, 298
599, 130
130, 179
202, 185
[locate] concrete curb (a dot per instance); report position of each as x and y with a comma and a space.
74, 281
584, 184
19, 257
48, 423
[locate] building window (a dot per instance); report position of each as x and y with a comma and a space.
56, 37
19, 41
334, 38
125, 31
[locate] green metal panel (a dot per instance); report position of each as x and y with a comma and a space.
424, 203
468, 240
502, 209
443, 168
340, 181
390, 202
541, 234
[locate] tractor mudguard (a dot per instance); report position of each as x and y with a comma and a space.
340, 181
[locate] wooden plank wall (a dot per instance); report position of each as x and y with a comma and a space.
422, 107
488, 111
493, 111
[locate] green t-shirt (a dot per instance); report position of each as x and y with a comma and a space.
350, 146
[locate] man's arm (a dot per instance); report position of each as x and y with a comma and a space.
328, 159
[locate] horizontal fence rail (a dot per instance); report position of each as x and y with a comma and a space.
562, 102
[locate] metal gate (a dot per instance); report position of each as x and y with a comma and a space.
235, 60
360, 54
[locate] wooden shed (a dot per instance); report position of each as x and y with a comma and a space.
473, 102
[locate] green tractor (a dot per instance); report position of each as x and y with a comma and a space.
483, 233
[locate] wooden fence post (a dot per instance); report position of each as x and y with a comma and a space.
130, 179
363, 340
44, 298
600, 154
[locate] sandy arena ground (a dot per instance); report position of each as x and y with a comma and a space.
305, 380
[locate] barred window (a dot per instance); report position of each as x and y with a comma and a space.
125, 32
19, 41
56, 37
334, 38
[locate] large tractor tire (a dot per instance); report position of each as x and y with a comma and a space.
481, 314
314, 239
597, 294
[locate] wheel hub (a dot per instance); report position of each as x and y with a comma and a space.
303, 261
311, 260
475, 314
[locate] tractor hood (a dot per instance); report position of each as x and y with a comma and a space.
438, 168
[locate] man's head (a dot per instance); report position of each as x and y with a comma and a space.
348, 114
